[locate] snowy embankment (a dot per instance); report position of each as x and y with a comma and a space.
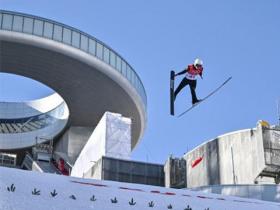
32, 190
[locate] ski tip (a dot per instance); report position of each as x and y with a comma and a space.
227, 80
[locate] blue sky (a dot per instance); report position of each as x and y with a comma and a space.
238, 38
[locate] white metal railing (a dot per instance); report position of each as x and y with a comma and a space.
33, 25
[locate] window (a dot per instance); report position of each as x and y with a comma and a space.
84, 43
99, 50
124, 68
38, 27
28, 25
57, 33
128, 73
136, 83
18, 23
48, 30
106, 55
75, 39
118, 64
132, 78
7, 22
112, 59
92, 46
0, 20
66, 36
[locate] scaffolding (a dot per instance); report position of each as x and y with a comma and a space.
271, 143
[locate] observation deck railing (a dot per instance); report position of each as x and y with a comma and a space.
33, 25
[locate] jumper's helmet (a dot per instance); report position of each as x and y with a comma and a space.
197, 61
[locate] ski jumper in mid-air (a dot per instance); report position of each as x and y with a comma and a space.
191, 73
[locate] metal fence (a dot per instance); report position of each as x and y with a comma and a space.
272, 147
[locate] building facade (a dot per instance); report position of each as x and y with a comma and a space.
88, 77
242, 163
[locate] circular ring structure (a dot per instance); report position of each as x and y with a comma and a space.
24, 124
90, 76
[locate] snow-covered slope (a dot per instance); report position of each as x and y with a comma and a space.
32, 190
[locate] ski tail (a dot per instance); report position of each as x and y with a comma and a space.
172, 77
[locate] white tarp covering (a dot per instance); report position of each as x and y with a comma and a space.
110, 138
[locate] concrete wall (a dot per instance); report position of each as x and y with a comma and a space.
167, 172
241, 156
96, 171
233, 158
72, 142
175, 172
205, 172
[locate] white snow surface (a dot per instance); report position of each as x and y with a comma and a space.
103, 191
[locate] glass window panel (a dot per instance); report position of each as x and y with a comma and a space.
92, 46
66, 36
38, 27
57, 33
124, 68
132, 77
75, 39
48, 30
128, 72
141, 93
84, 43
135, 82
141, 90
106, 55
0, 20
112, 59
7, 22
28, 25
18, 23
118, 64
144, 95
99, 50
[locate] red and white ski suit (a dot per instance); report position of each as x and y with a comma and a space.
190, 79
192, 72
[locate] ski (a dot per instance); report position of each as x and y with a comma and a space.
172, 77
210, 94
